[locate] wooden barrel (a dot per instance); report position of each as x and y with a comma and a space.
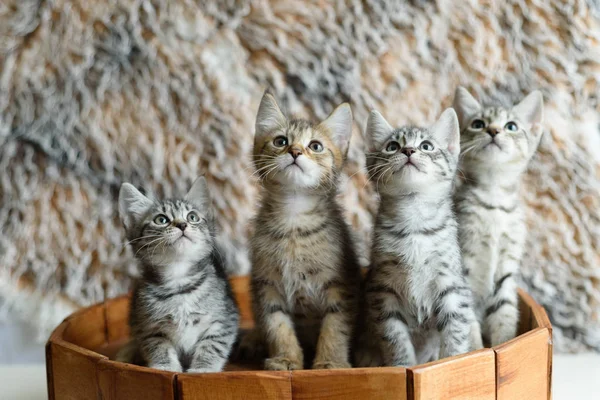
79, 367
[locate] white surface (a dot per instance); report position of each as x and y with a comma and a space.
576, 377
18, 343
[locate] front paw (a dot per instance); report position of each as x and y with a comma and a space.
331, 364
282, 364
202, 370
172, 367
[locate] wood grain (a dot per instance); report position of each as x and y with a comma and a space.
522, 367
117, 318
350, 384
467, 376
87, 328
118, 381
240, 285
256, 385
73, 371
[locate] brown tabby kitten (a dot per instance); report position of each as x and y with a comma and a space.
305, 276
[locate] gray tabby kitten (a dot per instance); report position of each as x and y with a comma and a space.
183, 315
305, 276
417, 303
497, 145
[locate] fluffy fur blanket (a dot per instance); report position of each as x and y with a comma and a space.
155, 92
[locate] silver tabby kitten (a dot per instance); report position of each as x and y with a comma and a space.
418, 305
497, 144
183, 315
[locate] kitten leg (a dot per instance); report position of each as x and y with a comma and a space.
502, 314
212, 351
475, 336
333, 346
397, 347
159, 353
455, 317
284, 348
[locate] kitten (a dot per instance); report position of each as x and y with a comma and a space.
305, 276
497, 145
417, 303
183, 315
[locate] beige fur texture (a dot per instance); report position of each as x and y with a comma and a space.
95, 93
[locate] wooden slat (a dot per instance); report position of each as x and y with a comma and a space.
522, 368
117, 318
73, 371
524, 315
87, 328
118, 381
539, 318
240, 286
255, 385
467, 376
350, 384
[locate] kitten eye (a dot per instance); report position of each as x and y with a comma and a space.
315, 146
193, 217
426, 146
280, 141
161, 220
477, 124
392, 147
511, 126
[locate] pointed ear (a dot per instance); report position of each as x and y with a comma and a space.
531, 109
339, 126
132, 204
378, 130
269, 116
198, 194
447, 132
465, 105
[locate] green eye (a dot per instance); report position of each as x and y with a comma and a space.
426, 146
161, 219
477, 124
280, 141
316, 146
193, 217
511, 126
392, 147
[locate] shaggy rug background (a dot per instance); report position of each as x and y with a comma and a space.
94, 93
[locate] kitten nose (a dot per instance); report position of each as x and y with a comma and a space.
181, 225
295, 152
493, 131
407, 151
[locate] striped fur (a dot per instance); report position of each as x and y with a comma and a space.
305, 277
183, 315
492, 228
418, 305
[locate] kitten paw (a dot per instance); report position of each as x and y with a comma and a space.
331, 365
282, 364
167, 367
202, 370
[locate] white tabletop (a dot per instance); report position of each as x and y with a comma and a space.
575, 377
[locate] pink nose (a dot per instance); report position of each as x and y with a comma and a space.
295, 152
407, 151
493, 131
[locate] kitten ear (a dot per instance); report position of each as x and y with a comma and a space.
132, 204
198, 194
269, 116
465, 105
378, 130
339, 126
531, 109
447, 132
